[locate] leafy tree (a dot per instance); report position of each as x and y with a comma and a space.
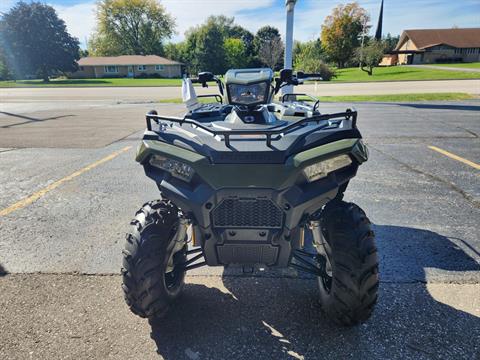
309, 58
265, 33
204, 47
238, 32
271, 53
341, 32
37, 41
176, 51
390, 42
234, 53
231, 30
371, 55
216, 45
297, 49
4, 71
83, 53
131, 27
269, 47
224, 24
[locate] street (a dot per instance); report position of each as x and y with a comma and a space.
46, 97
69, 186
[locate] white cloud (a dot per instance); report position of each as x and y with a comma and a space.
79, 18
189, 13
5, 5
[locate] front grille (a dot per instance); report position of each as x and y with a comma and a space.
247, 213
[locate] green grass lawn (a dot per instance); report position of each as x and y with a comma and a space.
475, 65
372, 98
398, 97
400, 73
394, 73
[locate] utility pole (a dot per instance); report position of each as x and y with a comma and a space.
290, 5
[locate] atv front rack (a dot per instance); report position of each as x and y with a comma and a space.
268, 133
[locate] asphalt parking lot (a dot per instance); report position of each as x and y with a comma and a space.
60, 250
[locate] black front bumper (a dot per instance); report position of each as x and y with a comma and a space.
249, 226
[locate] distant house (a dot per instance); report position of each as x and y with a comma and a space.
430, 46
127, 66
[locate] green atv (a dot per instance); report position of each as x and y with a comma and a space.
247, 181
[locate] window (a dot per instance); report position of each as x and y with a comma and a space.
158, 67
142, 67
81, 68
111, 69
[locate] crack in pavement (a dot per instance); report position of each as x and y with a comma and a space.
452, 186
7, 150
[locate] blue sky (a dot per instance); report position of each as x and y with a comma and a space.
309, 14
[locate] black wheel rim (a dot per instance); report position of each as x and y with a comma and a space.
174, 278
325, 278
324, 262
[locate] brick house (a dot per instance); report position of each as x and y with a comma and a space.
430, 46
127, 66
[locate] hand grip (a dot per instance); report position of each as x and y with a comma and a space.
302, 75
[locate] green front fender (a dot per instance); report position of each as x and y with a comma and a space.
273, 176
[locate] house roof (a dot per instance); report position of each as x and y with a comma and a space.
459, 38
126, 60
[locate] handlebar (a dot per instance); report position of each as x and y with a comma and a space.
205, 77
301, 75
287, 77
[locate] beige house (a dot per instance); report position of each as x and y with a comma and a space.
430, 46
127, 66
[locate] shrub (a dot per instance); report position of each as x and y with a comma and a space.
310, 60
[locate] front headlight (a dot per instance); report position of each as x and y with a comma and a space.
176, 168
323, 168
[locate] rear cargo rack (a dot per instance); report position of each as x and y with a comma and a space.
268, 133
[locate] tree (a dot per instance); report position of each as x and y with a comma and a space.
271, 53
131, 27
341, 32
309, 58
83, 53
234, 53
37, 41
204, 47
390, 42
371, 55
269, 47
4, 71
225, 24
176, 51
249, 56
265, 33
215, 46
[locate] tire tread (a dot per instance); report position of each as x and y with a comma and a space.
354, 261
